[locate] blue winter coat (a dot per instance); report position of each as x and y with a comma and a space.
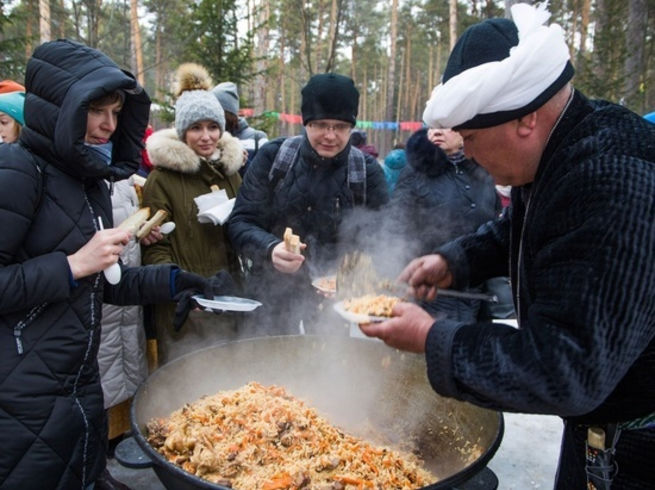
51, 408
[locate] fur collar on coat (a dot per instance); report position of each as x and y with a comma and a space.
167, 151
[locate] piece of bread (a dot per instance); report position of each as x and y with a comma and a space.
147, 227
214, 188
139, 193
291, 241
134, 222
139, 182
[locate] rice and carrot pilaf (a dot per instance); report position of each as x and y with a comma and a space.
371, 304
261, 438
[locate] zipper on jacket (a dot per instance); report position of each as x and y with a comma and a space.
18, 328
111, 185
337, 213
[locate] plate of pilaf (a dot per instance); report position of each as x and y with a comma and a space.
370, 308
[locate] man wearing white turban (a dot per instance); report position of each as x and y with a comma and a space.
578, 244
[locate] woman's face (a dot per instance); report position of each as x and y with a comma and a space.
101, 122
9, 128
202, 137
448, 140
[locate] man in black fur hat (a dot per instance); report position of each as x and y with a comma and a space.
309, 183
579, 245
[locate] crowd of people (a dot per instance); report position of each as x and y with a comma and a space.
529, 190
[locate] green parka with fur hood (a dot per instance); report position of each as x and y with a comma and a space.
178, 176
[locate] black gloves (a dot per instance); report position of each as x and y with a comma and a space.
188, 284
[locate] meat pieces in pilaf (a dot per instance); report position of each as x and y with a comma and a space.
262, 438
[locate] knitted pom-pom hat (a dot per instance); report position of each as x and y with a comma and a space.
195, 102
330, 96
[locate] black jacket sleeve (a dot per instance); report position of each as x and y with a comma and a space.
250, 220
24, 283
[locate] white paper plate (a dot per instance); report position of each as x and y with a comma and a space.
357, 317
319, 284
227, 303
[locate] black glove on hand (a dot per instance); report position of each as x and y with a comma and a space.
220, 284
188, 284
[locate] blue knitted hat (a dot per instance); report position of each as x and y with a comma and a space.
12, 104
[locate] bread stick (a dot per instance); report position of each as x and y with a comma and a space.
134, 222
147, 227
291, 241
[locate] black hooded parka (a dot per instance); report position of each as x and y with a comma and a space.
52, 190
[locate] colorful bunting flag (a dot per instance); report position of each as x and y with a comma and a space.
410, 126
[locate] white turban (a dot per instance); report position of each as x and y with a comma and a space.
509, 85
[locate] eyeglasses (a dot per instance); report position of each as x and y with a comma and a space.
323, 127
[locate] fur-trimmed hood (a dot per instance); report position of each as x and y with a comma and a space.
167, 151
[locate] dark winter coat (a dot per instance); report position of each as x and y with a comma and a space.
437, 199
313, 199
580, 245
51, 405
453, 194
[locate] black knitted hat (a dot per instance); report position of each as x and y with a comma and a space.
330, 96
487, 41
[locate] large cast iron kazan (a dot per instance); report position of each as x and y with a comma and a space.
355, 383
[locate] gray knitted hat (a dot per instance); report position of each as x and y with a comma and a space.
227, 95
197, 105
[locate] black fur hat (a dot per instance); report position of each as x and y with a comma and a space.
330, 96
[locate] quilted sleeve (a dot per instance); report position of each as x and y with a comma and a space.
27, 283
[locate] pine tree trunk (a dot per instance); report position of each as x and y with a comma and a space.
635, 61
364, 102
44, 21
391, 77
159, 62
137, 48
431, 83
318, 54
401, 86
62, 18
402, 113
452, 23
29, 28
263, 41
305, 41
584, 26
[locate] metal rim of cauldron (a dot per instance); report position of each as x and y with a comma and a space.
173, 475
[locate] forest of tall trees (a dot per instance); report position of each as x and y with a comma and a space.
394, 50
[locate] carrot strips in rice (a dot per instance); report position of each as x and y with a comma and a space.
262, 438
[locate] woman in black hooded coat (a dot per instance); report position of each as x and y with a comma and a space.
440, 195
53, 192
